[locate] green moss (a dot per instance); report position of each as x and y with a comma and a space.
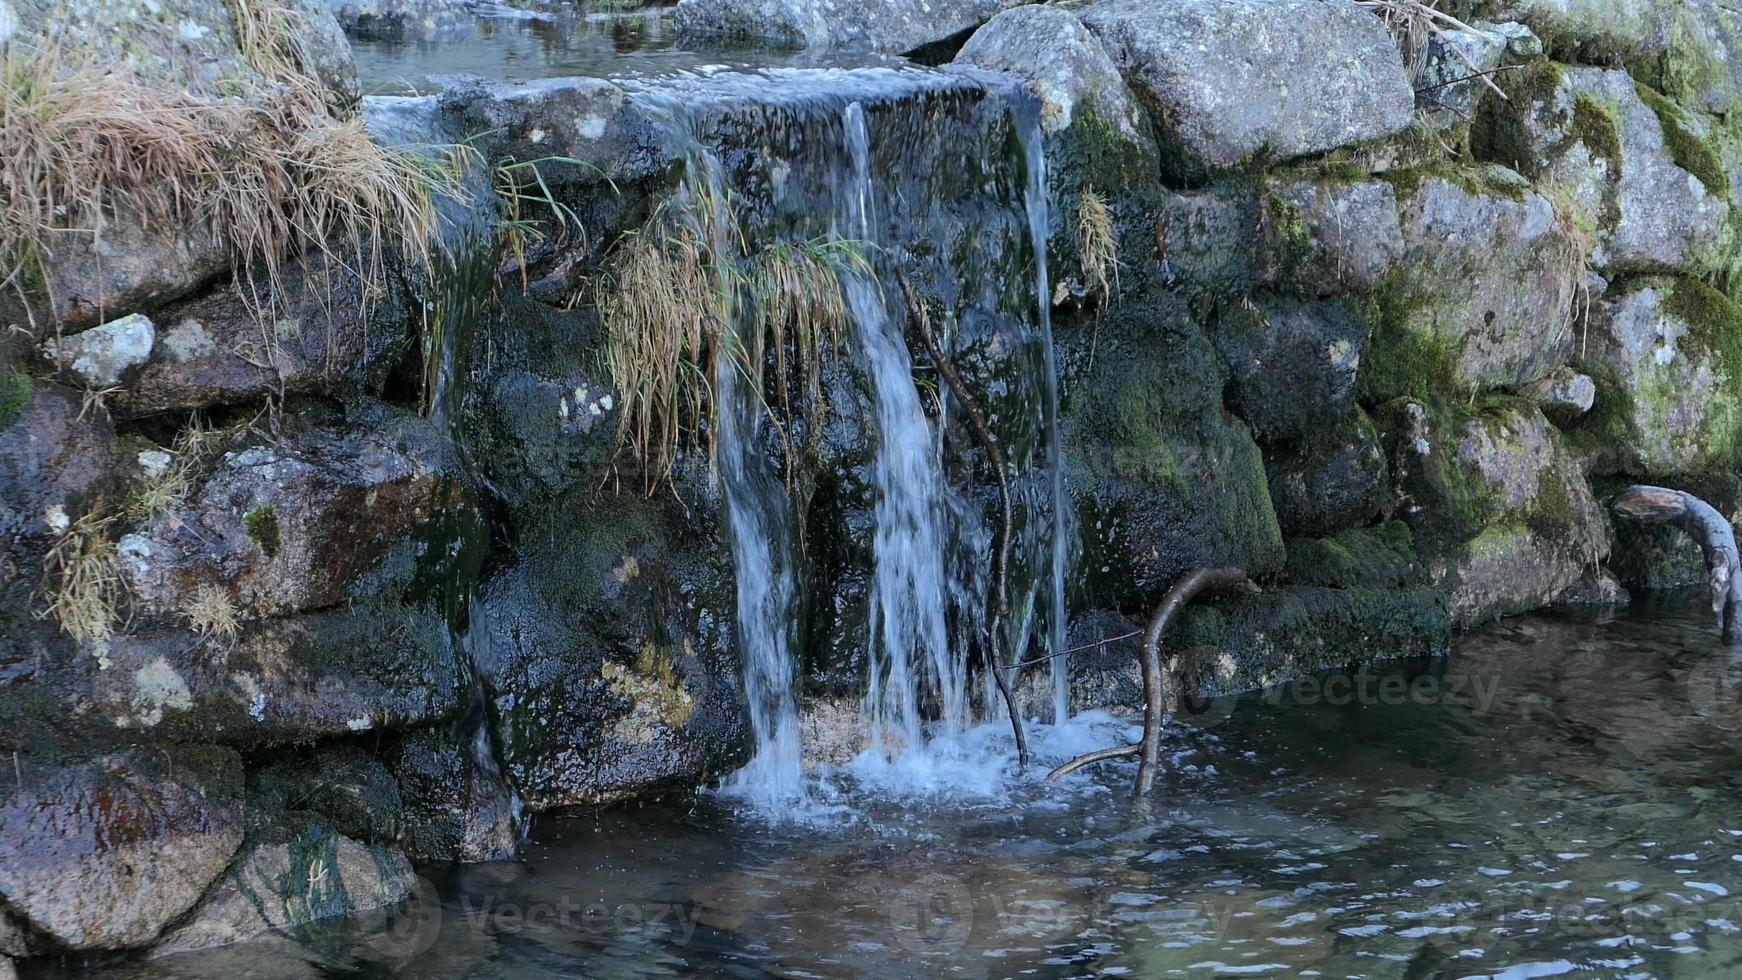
1551, 514
1096, 153
1487, 180
1380, 557
1498, 133
1687, 149
1594, 125
15, 391
1294, 240
1401, 358
262, 525
1714, 322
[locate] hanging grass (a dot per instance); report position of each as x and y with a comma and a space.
1097, 244
83, 588
669, 303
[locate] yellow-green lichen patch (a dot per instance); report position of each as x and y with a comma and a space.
263, 530
15, 391
658, 700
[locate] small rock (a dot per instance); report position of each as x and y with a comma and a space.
1564, 395
101, 356
102, 855
1596, 588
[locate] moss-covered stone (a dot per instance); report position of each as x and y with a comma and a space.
262, 525
1691, 151
15, 388
1380, 557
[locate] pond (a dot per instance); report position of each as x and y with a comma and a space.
1558, 795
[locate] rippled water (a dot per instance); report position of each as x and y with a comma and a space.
1559, 795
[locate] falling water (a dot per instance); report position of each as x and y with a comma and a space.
909, 584
1035, 201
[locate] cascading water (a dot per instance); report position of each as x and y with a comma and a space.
832, 165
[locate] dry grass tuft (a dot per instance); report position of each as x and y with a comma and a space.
1572, 259
170, 488
1413, 23
671, 302
1097, 244
271, 173
84, 589
212, 614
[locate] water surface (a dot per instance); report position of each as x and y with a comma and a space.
1558, 795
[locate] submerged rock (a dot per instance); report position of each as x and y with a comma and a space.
1233, 83
290, 875
891, 26
102, 854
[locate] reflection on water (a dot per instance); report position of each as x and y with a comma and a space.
1559, 795
521, 49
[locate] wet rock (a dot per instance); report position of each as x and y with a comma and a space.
1590, 135
1292, 364
341, 784
1656, 557
1205, 244
1596, 588
128, 267
1378, 557
1336, 479
56, 462
1233, 82
1483, 296
892, 26
459, 808
332, 673
103, 854
1563, 395
287, 876
101, 356
1666, 360
1288, 632
1497, 502
609, 655
324, 515
1327, 237
1164, 479
225, 349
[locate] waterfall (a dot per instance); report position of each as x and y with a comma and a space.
1035, 204
911, 168
909, 584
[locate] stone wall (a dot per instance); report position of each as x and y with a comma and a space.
1384, 336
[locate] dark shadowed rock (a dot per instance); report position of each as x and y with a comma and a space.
1336, 479
609, 655
103, 854
1293, 364
459, 808
892, 26
1165, 480
341, 784
56, 462
1230, 83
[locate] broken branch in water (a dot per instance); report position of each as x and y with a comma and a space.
1001, 555
1227, 577
1702, 522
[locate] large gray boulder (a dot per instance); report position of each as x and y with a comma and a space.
1326, 237
1483, 296
1498, 504
1231, 83
893, 26
1665, 357
102, 854
1589, 136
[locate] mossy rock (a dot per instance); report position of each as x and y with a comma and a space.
1380, 557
